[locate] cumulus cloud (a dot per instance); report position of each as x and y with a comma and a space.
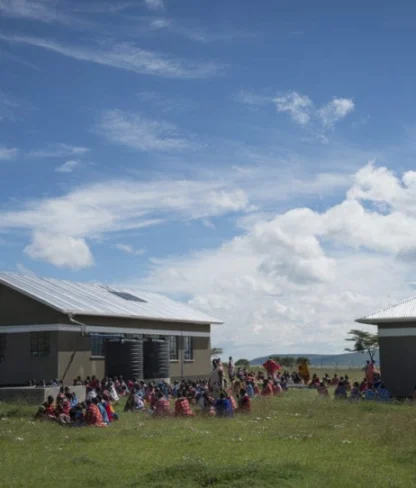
7, 153
139, 132
60, 250
91, 211
295, 281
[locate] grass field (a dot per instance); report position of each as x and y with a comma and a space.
297, 440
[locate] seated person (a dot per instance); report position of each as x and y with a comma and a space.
383, 393
98, 401
162, 406
267, 389
340, 391
223, 407
182, 408
355, 392
46, 410
370, 393
93, 415
244, 402
322, 390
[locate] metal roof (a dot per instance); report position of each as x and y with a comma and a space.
402, 312
101, 300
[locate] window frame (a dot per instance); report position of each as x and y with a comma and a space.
3, 347
188, 348
40, 344
174, 347
100, 348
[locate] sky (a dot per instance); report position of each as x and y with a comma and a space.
253, 159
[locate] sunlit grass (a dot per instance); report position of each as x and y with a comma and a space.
294, 440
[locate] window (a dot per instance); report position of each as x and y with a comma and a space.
40, 344
2, 347
173, 348
188, 348
97, 346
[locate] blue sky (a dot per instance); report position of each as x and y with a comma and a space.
254, 160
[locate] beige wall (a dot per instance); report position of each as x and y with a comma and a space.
200, 367
19, 367
74, 358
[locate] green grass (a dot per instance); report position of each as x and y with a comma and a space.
297, 440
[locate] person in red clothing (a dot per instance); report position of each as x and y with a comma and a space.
267, 389
162, 407
271, 367
182, 408
322, 390
93, 415
244, 403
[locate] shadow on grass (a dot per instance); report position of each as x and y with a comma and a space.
198, 474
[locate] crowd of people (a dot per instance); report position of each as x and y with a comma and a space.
226, 392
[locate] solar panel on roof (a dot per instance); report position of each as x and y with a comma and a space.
127, 296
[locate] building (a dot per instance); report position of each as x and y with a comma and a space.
397, 340
57, 329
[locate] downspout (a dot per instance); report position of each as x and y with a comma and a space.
83, 326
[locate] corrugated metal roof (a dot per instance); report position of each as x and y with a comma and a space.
96, 299
402, 312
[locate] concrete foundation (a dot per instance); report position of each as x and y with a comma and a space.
35, 395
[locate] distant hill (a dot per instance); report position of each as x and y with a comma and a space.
349, 359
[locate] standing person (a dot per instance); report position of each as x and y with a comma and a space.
231, 369
271, 367
304, 371
216, 379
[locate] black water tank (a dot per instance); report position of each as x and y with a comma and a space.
156, 358
124, 358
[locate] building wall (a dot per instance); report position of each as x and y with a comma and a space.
18, 367
74, 358
398, 360
70, 353
200, 367
17, 309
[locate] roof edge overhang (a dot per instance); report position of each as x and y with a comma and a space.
370, 321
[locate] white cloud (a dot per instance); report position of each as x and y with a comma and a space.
295, 281
154, 4
41, 10
298, 106
92, 211
60, 250
59, 151
7, 153
128, 249
139, 132
303, 111
68, 166
335, 110
126, 56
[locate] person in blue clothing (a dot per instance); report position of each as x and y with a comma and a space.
383, 393
370, 393
98, 402
223, 406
